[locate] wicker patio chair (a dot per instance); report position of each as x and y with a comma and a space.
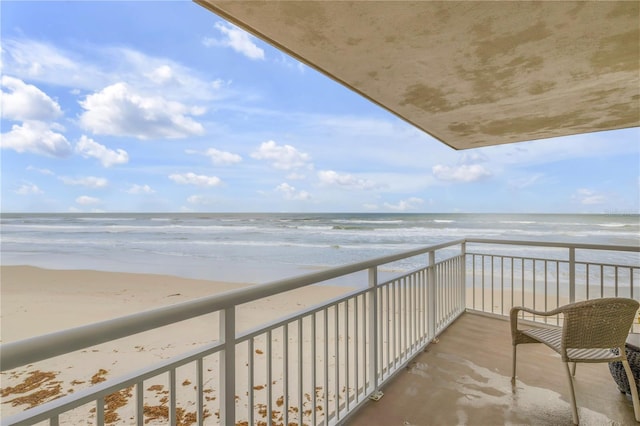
590, 330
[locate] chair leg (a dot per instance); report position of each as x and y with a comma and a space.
573, 369
513, 375
574, 408
634, 389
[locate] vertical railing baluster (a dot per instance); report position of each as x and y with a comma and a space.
431, 289
336, 351
300, 371
250, 379
463, 275
395, 328
424, 322
314, 370
533, 282
356, 349
269, 358
414, 311
442, 268
99, 411
200, 387
473, 276
326, 366
492, 280
285, 372
347, 361
501, 285
172, 397
140, 403
522, 284
405, 315
483, 280
387, 360
228, 367
572, 274
444, 282
557, 289
545, 289
269, 353
513, 284
588, 279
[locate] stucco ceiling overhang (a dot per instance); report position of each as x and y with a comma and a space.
468, 73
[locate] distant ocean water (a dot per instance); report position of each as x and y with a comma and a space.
262, 247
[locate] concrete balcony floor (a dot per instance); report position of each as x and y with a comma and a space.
465, 379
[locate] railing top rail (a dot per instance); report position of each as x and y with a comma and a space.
554, 244
16, 354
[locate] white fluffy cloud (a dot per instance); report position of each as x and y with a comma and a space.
28, 189
36, 137
462, 173
237, 39
330, 177
221, 157
88, 181
44, 62
589, 197
87, 147
162, 74
200, 200
25, 102
77, 69
140, 189
404, 205
117, 110
85, 200
291, 193
194, 179
39, 170
283, 157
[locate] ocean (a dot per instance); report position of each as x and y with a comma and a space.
258, 248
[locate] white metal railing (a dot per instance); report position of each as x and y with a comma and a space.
319, 365
314, 367
561, 273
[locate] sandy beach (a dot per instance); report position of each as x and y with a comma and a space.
36, 301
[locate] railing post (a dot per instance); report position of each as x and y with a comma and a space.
463, 275
431, 291
373, 330
228, 367
572, 274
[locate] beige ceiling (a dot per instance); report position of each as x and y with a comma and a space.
468, 73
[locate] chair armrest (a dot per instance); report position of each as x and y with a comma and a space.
513, 317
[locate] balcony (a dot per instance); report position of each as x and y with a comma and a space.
433, 340
465, 379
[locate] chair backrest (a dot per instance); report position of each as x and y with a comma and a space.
598, 323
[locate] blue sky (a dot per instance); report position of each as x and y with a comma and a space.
163, 106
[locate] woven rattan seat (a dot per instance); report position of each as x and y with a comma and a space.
590, 330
